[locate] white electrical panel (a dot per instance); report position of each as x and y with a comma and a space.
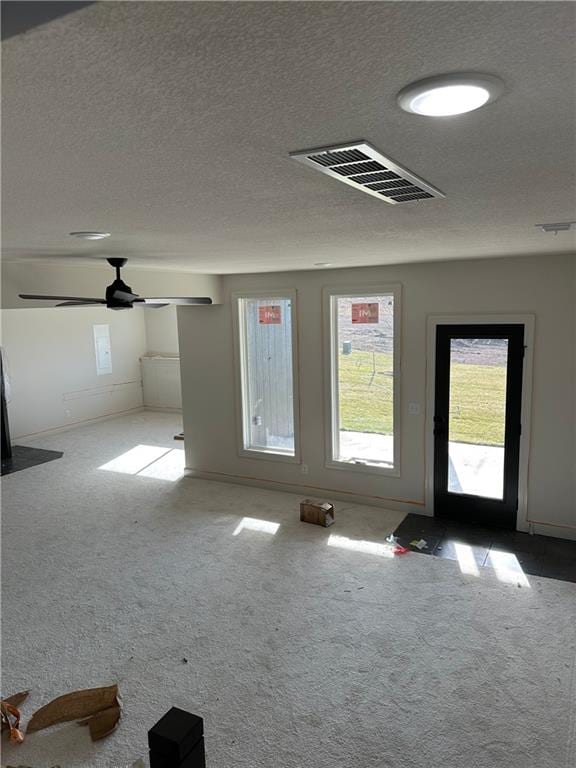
102, 349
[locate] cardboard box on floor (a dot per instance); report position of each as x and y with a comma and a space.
317, 512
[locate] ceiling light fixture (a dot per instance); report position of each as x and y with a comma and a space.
322, 264
559, 226
450, 94
90, 235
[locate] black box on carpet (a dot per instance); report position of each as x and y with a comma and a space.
174, 736
194, 759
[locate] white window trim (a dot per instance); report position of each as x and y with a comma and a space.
331, 372
240, 374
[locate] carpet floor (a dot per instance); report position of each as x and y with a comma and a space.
305, 647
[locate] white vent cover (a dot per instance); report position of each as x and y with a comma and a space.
364, 167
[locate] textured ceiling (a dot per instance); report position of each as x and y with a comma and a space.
19, 17
169, 124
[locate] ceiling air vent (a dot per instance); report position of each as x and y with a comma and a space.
363, 167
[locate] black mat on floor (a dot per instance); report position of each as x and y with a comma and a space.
536, 555
24, 457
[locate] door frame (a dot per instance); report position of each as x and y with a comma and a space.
528, 321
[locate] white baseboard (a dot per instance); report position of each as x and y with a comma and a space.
307, 490
75, 424
161, 409
555, 530
542, 529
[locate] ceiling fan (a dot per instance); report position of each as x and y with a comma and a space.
119, 296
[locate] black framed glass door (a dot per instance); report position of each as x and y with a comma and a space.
478, 400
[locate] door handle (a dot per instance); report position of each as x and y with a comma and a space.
439, 426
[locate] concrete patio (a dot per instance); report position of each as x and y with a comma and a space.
477, 470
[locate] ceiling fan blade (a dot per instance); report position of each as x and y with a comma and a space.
183, 300
124, 296
78, 304
81, 299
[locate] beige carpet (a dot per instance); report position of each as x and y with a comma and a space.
305, 647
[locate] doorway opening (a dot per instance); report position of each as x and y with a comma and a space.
477, 422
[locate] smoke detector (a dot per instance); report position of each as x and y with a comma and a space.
560, 226
363, 167
90, 235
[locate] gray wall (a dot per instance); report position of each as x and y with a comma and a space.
50, 351
543, 286
52, 366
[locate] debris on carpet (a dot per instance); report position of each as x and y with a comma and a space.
98, 708
397, 549
138, 764
11, 715
317, 512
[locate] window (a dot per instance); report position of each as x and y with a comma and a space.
364, 385
266, 344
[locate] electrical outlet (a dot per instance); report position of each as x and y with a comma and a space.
304, 469
414, 409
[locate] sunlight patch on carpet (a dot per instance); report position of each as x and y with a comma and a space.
466, 559
358, 545
507, 568
253, 524
153, 461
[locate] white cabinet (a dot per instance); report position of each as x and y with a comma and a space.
161, 381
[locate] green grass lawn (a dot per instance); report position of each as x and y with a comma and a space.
477, 401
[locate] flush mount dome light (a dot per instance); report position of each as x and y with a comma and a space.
451, 94
90, 235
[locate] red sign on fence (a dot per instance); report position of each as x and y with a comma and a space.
364, 313
270, 315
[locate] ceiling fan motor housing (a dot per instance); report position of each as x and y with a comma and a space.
112, 301
119, 295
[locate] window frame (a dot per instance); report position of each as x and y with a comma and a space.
240, 370
331, 351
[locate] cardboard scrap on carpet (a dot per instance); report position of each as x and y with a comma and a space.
317, 512
16, 699
103, 723
138, 764
11, 715
99, 708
